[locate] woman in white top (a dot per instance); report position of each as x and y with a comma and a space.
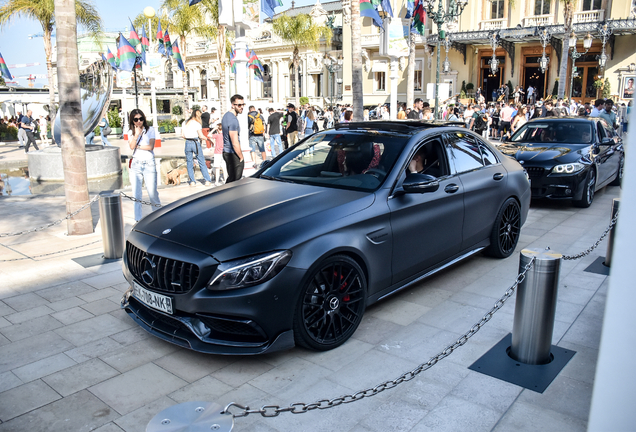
193, 135
141, 139
520, 119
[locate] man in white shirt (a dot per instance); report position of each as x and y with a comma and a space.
599, 104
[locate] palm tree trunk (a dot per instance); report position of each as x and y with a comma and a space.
567, 26
73, 150
182, 48
410, 72
49, 71
295, 71
220, 53
356, 63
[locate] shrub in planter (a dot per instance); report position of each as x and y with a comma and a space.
177, 110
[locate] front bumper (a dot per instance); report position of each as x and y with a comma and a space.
556, 187
245, 321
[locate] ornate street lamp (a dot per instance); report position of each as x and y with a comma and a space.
544, 36
333, 66
604, 31
587, 44
441, 17
493, 38
446, 65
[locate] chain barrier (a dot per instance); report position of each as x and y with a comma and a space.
51, 253
595, 245
300, 407
70, 215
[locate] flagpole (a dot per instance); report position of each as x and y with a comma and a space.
135, 76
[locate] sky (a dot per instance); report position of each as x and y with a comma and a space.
17, 48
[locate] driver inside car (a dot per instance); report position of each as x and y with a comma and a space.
423, 162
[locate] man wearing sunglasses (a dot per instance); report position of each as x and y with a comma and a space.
232, 154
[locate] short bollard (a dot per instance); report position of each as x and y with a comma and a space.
610, 238
535, 307
112, 221
192, 417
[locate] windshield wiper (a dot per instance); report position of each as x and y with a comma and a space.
267, 177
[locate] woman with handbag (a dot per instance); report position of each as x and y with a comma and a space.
193, 134
141, 140
310, 121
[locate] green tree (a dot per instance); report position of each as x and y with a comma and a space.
219, 33
300, 31
356, 63
184, 21
568, 17
72, 138
43, 11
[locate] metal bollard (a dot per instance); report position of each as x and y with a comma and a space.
535, 307
112, 221
610, 239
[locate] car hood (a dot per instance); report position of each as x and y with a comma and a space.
218, 220
539, 153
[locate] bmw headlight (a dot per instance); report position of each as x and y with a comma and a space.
570, 168
249, 271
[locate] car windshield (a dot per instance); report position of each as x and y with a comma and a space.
346, 160
561, 132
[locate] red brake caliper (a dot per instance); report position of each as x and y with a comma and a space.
346, 298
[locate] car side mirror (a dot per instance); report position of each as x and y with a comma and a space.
420, 183
607, 141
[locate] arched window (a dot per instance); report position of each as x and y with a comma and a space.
267, 82
169, 74
188, 83
293, 81
204, 84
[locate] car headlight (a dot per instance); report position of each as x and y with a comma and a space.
570, 168
248, 271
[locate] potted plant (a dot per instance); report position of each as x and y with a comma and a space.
177, 111
115, 122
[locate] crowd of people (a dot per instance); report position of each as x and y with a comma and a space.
29, 129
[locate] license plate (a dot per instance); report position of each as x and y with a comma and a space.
156, 301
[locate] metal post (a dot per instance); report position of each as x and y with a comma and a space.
112, 221
535, 307
610, 238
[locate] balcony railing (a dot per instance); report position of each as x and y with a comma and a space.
370, 40
493, 24
538, 20
589, 16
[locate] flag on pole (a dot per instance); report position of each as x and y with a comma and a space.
253, 62
145, 43
110, 58
177, 55
267, 6
133, 39
166, 42
367, 10
386, 7
410, 7
160, 48
4, 70
419, 18
258, 75
232, 57
127, 54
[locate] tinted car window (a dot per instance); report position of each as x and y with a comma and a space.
465, 152
565, 132
347, 160
487, 154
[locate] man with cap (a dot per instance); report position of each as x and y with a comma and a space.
292, 125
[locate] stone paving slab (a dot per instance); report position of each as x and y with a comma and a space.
72, 360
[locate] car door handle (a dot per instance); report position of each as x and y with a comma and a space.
498, 176
451, 188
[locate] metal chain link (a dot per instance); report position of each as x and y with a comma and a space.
138, 200
51, 253
595, 245
68, 216
299, 407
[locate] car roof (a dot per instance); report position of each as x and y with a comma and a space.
568, 118
412, 126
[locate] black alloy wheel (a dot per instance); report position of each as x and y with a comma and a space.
331, 304
588, 190
506, 230
619, 174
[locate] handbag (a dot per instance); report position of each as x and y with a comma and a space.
133, 155
106, 130
315, 127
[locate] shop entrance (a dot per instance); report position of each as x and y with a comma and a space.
491, 81
533, 76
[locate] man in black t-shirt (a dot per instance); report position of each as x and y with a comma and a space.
292, 125
28, 125
273, 129
205, 124
416, 111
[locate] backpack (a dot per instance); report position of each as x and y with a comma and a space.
479, 123
257, 127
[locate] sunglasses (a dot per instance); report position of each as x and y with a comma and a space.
136, 119
239, 105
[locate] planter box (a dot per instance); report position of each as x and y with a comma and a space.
116, 131
177, 131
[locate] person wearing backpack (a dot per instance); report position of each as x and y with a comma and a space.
256, 133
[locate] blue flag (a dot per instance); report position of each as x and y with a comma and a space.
127, 54
386, 7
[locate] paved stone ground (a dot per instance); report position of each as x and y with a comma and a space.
71, 360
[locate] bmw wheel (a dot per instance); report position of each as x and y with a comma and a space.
619, 174
331, 304
505, 231
588, 190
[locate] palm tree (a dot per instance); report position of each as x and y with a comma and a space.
301, 31
218, 32
568, 17
72, 139
43, 11
356, 62
410, 72
185, 20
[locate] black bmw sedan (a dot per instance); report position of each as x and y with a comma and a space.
569, 157
294, 254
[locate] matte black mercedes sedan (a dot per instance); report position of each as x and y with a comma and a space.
295, 253
569, 157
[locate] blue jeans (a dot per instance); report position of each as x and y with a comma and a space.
90, 137
104, 139
192, 148
144, 171
257, 142
274, 141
